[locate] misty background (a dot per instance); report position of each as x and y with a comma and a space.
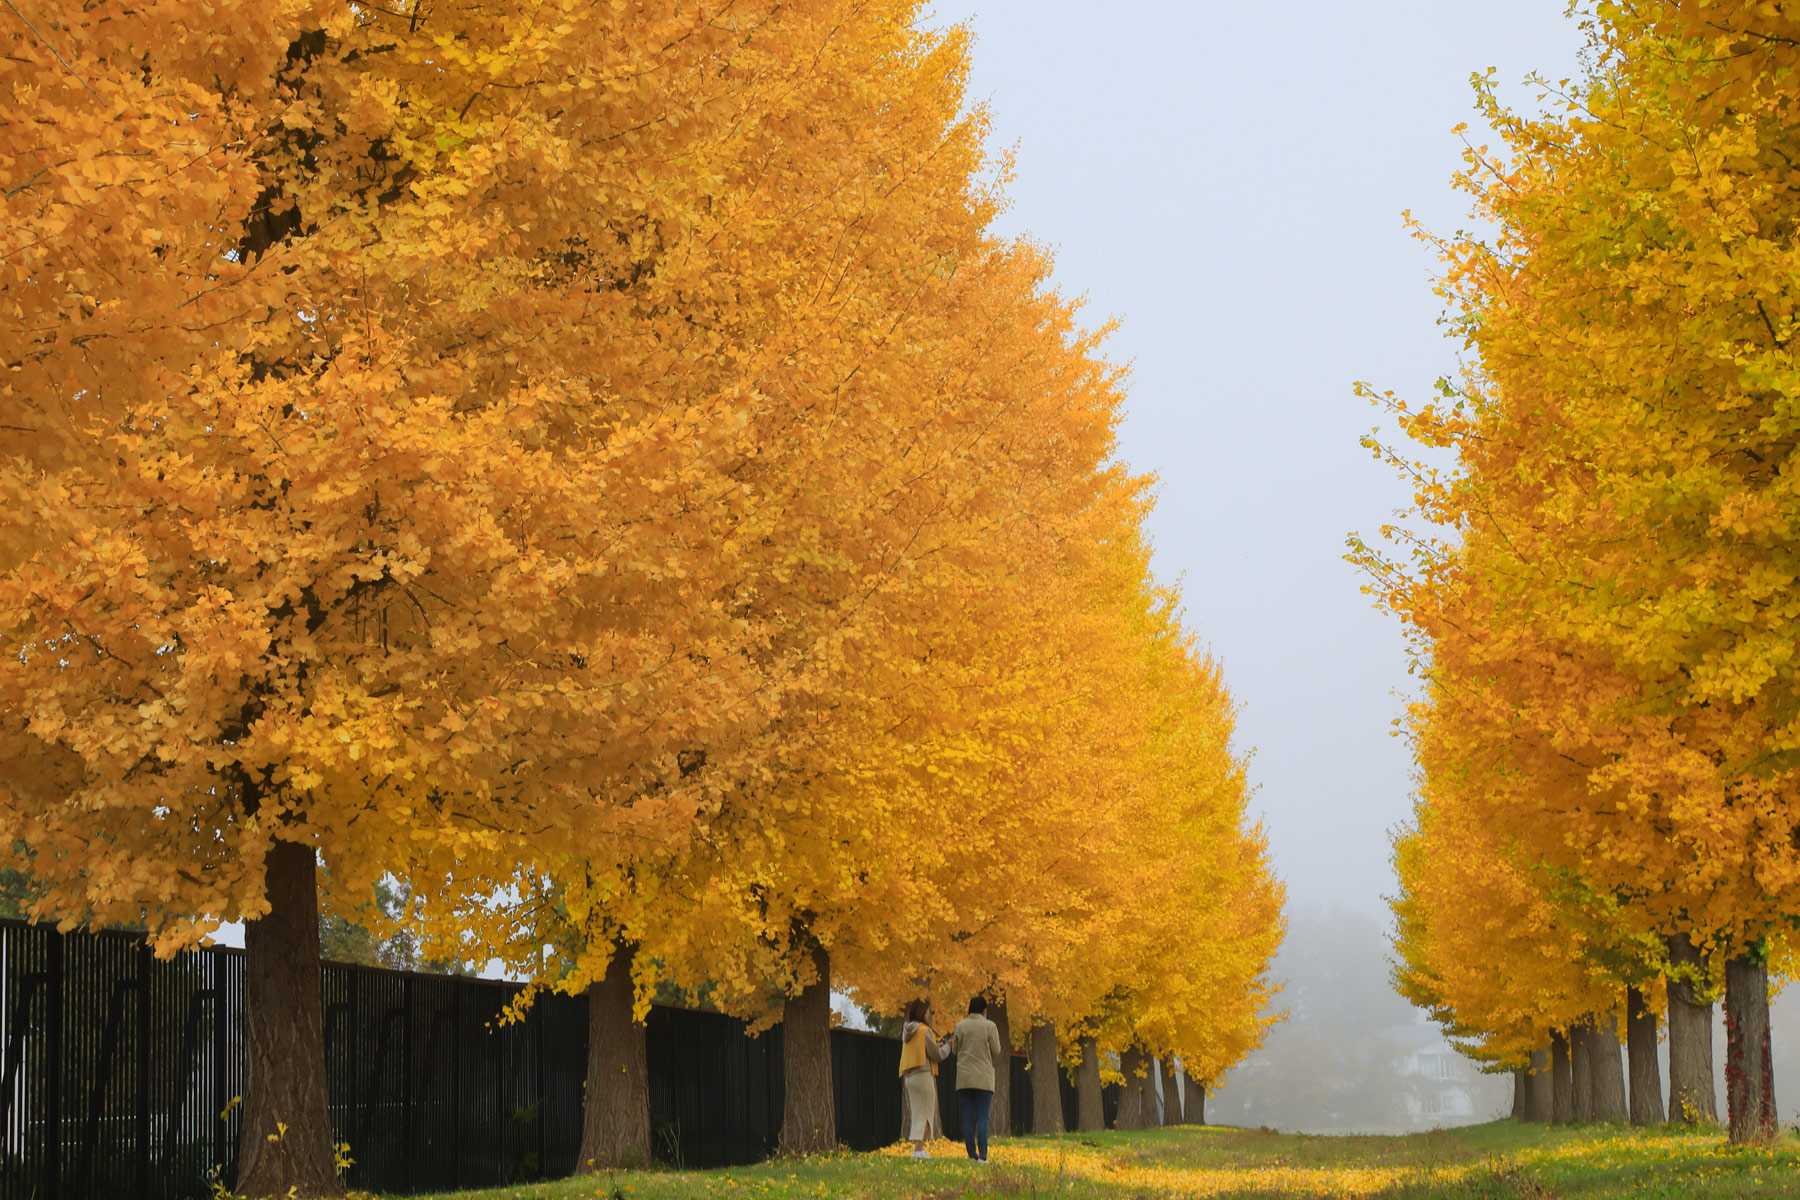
1229, 180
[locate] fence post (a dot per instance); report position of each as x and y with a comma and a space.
54, 1059
456, 1092
543, 1102
353, 1117
144, 961
221, 1011
406, 1079
501, 1060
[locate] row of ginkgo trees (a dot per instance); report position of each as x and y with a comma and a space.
601, 468
1608, 821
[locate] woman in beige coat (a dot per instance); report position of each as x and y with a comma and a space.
920, 1055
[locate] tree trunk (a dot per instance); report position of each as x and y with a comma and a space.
1090, 1115
1131, 1096
1000, 1120
615, 1110
285, 1148
1607, 1073
1046, 1081
1193, 1103
1518, 1104
1749, 1078
1640, 1044
1581, 1075
1171, 1093
1691, 1095
1540, 1089
1562, 1083
809, 1112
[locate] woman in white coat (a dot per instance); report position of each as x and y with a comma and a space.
920, 1055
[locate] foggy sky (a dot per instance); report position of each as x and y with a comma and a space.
1229, 181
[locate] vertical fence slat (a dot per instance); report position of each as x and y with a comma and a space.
53, 1063
141, 1103
543, 1105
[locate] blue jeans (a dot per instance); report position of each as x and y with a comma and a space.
975, 1105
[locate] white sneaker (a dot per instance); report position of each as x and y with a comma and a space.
920, 1154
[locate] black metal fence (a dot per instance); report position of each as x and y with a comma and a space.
120, 1076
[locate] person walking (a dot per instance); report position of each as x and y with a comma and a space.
976, 1044
920, 1054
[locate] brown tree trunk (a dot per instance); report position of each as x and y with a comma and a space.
1131, 1096
1171, 1093
1000, 1120
1607, 1073
1518, 1104
1749, 1078
1090, 1114
285, 1148
1193, 1103
1691, 1095
809, 1110
1581, 1076
615, 1110
1562, 1082
1540, 1089
1046, 1081
1640, 1047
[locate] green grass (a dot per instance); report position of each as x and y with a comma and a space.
1500, 1161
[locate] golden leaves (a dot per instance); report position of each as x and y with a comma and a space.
1607, 631
610, 467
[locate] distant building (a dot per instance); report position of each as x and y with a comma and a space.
1438, 1086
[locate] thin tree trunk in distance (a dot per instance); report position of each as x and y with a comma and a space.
1691, 1096
1090, 1115
1540, 1089
809, 1111
1171, 1093
1046, 1081
1131, 1096
615, 1110
1000, 1120
1607, 1073
1768, 1074
285, 1039
1581, 1061
1748, 1073
1562, 1082
1640, 1046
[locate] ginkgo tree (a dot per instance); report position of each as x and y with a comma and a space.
1624, 440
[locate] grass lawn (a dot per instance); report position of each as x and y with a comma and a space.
1500, 1161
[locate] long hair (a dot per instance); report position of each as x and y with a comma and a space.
916, 1011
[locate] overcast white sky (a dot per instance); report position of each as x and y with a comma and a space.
1229, 180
